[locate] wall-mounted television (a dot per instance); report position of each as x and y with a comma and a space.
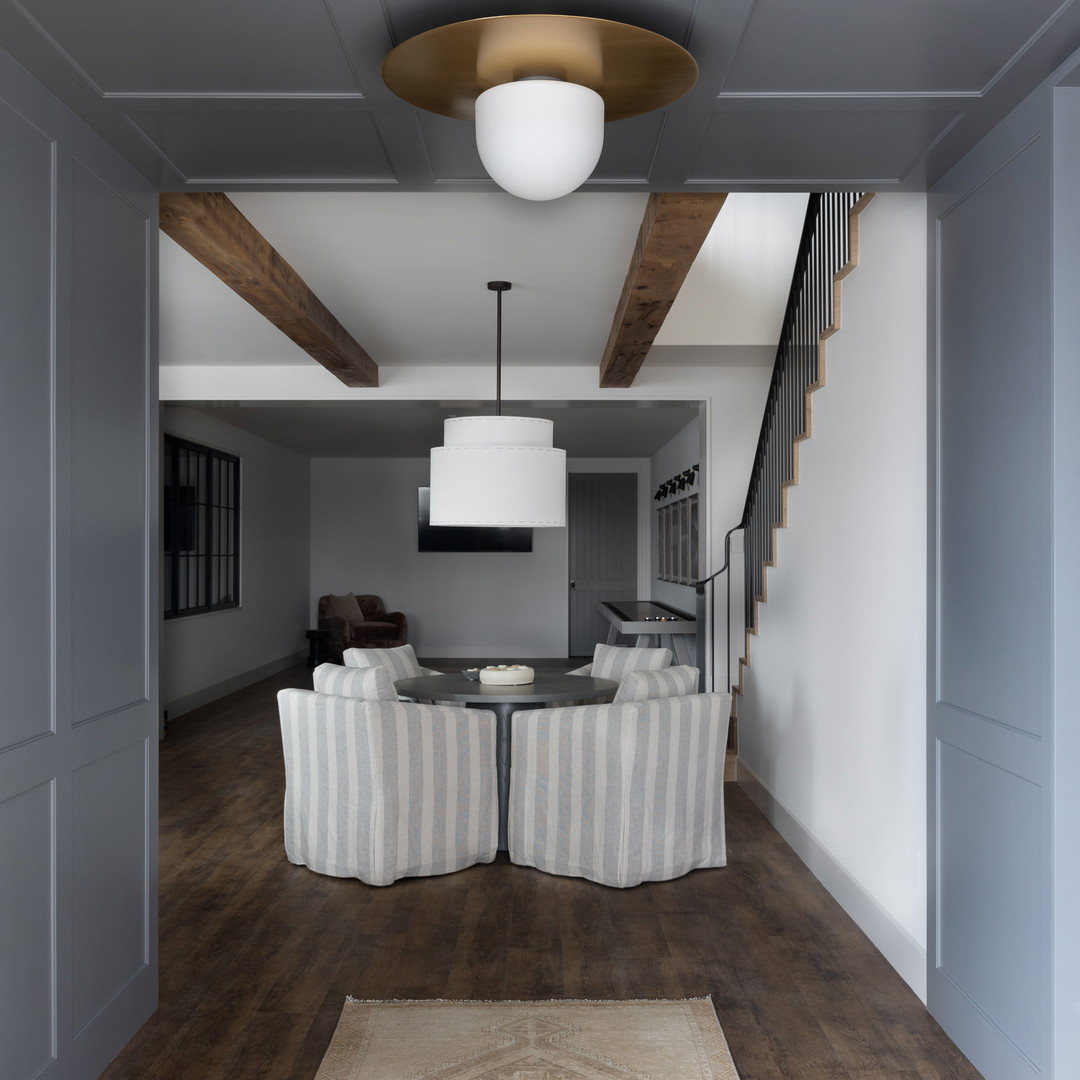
464, 537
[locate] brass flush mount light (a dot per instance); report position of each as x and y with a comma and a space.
539, 88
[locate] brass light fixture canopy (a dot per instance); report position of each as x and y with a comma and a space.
444, 70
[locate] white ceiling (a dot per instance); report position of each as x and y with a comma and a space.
406, 274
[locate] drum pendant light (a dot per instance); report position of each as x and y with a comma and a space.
498, 470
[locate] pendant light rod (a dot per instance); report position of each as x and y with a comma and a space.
498, 288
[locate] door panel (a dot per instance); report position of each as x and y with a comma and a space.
988, 710
78, 479
603, 531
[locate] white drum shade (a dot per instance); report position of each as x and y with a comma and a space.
498, 470
539, 138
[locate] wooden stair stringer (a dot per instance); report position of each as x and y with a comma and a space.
853, 261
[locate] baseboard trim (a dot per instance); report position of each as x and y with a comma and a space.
179, 706
901, 950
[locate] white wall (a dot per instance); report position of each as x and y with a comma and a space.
832, 722
205, 656
494, 604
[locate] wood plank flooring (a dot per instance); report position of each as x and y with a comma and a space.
257, 955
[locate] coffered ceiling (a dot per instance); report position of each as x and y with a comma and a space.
217, 94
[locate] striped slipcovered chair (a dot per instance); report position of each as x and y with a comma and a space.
615, 661
620, 793
401, 662
380, 790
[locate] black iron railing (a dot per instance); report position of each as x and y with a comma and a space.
825, 256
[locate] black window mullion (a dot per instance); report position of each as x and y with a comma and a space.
201, 529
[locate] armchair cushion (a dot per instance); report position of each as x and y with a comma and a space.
614, 661
401, 662
380, 790
345, 607
620, 794
667, 682
370, 683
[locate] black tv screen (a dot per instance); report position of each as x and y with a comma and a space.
465, 537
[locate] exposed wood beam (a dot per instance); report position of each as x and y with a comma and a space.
672, 231
209, 227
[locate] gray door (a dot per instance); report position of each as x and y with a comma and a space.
990, 707
602, 536
78, 709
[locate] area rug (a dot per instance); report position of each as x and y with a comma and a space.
528, 1040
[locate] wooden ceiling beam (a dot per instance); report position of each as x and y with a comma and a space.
208, 226
672, 231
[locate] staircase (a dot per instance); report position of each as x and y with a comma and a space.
828, 252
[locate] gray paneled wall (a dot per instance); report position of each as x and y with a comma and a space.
78, 571
1005, 399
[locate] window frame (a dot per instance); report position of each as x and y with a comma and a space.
200, 509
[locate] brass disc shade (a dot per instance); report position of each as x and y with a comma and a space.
444, 70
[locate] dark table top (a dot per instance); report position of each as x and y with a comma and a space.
544, 687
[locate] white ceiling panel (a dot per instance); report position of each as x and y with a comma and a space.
407, 274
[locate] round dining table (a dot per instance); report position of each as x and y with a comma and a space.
504, 701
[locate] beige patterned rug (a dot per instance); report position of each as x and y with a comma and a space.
528, 1040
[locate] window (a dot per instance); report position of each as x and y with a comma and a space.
677, 541
201, 529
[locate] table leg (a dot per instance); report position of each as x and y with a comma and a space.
681, 647
503, 712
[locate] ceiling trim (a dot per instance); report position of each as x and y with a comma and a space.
673, 228
211, 229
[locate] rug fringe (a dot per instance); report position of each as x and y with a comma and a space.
516, 1001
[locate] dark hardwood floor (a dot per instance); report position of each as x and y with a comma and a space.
258, 955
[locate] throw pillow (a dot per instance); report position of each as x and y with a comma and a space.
346, 607
400, 662
370, 683
667, 682
614, 661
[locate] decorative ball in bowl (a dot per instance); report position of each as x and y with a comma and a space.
506, 675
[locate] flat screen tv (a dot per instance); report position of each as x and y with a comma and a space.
465, 537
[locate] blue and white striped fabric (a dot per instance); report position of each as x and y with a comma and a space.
380, 790
620, 794
401, 662
615, 661
667, 682
370, 683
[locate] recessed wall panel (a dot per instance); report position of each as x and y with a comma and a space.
26, 916
994, 390
106, 627
26, 172
267, 145
989, 890
881, 48
109, 878
200, 46
802, 145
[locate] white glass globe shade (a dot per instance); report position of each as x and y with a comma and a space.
539, 138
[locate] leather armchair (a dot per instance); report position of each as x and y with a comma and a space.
377, 629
